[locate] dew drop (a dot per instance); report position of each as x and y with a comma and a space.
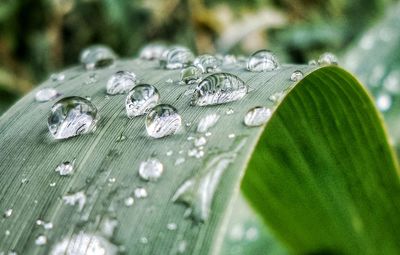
190, 75
152, 51
219, 88
230, 111
327, 59
231, 136
383, 102
53, 184
121, 82
182, 246
277, 97
312, 62
7, 232
169, 153
172, 226
41, 240
179, 161
144, 240
151, 169
129, 201
257, 116
296, 76
78, 198
176, 58
262, 61
207, 63
57, 77
141, 99
140, 192
8, 213
65, 168
72, 116
200, 141
163, 120
46, 94
97, 56
207, 122
121, 138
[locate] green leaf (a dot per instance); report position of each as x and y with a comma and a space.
106, 166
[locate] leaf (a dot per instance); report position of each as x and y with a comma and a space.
106, 166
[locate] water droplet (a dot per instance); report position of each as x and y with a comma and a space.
121, 138
72, 116
169, 80
190, 75
25, 180
200, 141
176, 58
152, 51
252, 234
172, 226
207, 122
57, 77
182, 246
296, 76
41, 240
207, 134
190, 138
207, 63
237, 232
46, 94
257, 116
84, 244
169, 153
129, 201
97, 56
8, 213
108, 226
7, 232
229, 59
78, 198
65, 168
141, 99
151, 169
231, 136
53, 184
198, 191
262, 61
277, 97
144, 240
163, 120
219, 88
312, 62
383, 102
140, 193
111, 179
121, 82
230, 111
327, 59
179, 161
45, 225
196, 153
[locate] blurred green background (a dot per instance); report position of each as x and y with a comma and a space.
39, 37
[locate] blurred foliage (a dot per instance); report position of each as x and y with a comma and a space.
42, 36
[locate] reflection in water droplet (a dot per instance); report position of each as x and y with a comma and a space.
196, 153
207, 63
84, 244
46, 94
141, 99
198, 191
151, 169
262, 61
219, 88
72, 116
65, 168
190, 75
383, 102
176, 58
97, 56
327, 59
163, 120
152, 51
41, 240
257, 116
207, 122
121, 82
296, 76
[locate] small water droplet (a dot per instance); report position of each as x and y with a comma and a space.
121, 138
230, 111
176, 58
327, 59
41, 240
262, 61
108, 227
163, 120
172, 226
200, 141
312, 62
97, 56
78, 198
191, 75
196, 153
219, 88
141, 99
182, 246
46, 94
169, 153
231, 136
208, 134
25, 180
53, 184
151, 169
152, 51
229, 59
121, 82
8, 213
45, 225
190, 138
72, 116
207, 63
140, 192
57, 77
111, 180
129, 201
277, 97
7, 232
207, 122
144, 240
179, 161
188, 124
257, 116
65, 168
383, 102
296, 76
237, 232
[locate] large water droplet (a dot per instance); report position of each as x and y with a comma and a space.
219, 88
176, 58
296, 76
152, 51
46, 94
72, 116
163, 120
262, 61
84, 244
198, 191
190, 75
257, 116
327, 59
97, 56
151, 169
65, 168
207, 122
141, 99
207, 63
121, 82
